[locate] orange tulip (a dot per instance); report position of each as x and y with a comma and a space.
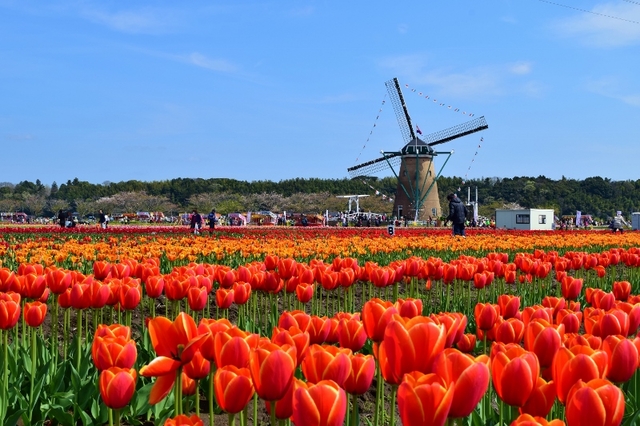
34, 313
175, 344
198, 368
577, 363
409, 346
130, 294
224, 298
321, 404
424, 400
529, 420
319, 329
455, 323
117, 386
184, 420
571, 320
597, 402
154, 286
58, 280
514, 372
327, 363
470, 375
233, 388
209, 328
272, 369
363, 368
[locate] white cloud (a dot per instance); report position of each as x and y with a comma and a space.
142, 21
611, 87
520, 68
202, 61
601, 28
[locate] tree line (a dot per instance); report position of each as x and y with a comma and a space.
600, 197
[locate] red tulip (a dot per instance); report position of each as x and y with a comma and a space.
514, 372
321, 404
117, 386
577, 363
622, 356
424, 399
197, 298
35, 313
9, 310
130, 294
509, 331
621, 290
233, 388
198, 368
363, 368
209, 328
541, 400
351, 334
571, 287
544, 340
295, 337
154, 286
233, 347
470, 375
409, 308
486, 315
467, 343
58, 280
304, 292
272, 369
509, 305
241, 292
224, 298
113, 351
376, 314
597, 402
409, 346
327, 363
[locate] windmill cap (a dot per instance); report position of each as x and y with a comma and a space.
417, 144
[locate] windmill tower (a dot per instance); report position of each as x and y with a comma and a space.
417, 193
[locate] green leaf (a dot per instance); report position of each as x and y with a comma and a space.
86, 419
141, 404
63, 417
12, 420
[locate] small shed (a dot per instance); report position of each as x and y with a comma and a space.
635, 220
525, 219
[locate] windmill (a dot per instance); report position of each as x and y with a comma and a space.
417, 192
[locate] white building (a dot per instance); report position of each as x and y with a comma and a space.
525, 219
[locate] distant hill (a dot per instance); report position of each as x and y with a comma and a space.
600, 197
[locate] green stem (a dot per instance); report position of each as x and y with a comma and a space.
196, 400
232, 419
117, 416
110, 417
255, 408
34, 349
177, 391
211, 393
79, 340
273, 413
354, 410
394, 391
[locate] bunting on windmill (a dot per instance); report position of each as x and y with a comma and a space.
417, 192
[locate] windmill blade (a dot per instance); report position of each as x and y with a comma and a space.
456, 132
400, 108
374, 166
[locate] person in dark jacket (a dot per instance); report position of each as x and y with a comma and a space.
457, 214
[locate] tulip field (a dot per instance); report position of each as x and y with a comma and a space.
321, 326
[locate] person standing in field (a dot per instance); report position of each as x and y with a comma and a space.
196, 222
102, 220
212, 219
457, 214
618, 223
62, 218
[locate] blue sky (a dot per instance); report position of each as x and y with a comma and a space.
272, 90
